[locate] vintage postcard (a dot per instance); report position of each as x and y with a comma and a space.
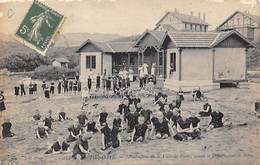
130, 82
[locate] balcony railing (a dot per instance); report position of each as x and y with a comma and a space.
159, 71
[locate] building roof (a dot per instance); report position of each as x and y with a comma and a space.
158, 35
256, 18
184, 18
180, 40
202, 39
224, 35
111, 47
62, 60
122, 47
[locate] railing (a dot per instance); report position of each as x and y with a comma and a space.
159, 71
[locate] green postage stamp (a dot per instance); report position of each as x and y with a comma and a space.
39, 26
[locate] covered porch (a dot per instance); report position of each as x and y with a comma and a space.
152, 47
127, 60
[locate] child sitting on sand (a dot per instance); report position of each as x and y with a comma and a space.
131, 118
62, 115
140, 132
85, 95
187, 129
41, 130
160, 126
6, 131
48, 122
91, 126
206, 110
82, 118
216, 120
75, 132
81, 147
36, 116
59, 146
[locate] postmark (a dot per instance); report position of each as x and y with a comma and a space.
39, 27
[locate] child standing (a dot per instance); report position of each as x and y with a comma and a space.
89, 83
98, 82
59, 87
106, 136
22, 89
2, 103
30, 88
85, 97
52, 88
16, 90
103, 116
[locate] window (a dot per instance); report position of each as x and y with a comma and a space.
201, 28
191, 27
238, 19
173, 62
91, 62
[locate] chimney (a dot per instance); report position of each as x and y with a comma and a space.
175, 10
204, 16
191, 13
199, 14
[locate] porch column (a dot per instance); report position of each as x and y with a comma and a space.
158, 60
138, 58
128, 60
246, 52
162, 52
102, 62
142, 56
180, 54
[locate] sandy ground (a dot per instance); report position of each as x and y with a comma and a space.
236, 145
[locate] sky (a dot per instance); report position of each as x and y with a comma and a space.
123, 17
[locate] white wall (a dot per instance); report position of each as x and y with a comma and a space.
85, 72
169, 19
196, 64
107, 64
230, 64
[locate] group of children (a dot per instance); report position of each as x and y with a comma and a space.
140, 124
63, 84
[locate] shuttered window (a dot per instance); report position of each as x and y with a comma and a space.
91, 62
